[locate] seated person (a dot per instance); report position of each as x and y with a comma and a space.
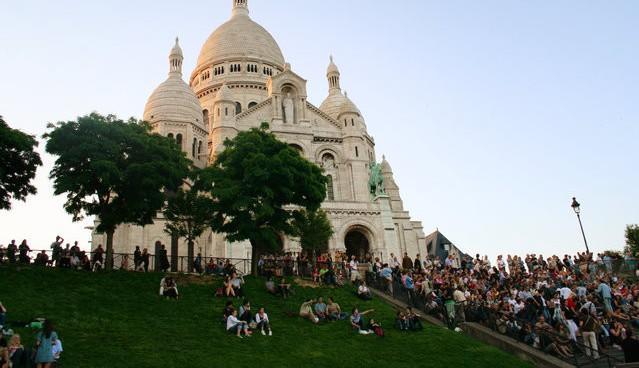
245, 312
261, 318
236, 326
357, 318
170, 289
306, 311
401, 322
363, 292
236, 283
228, 287
228, 309
316, 275
329, 277
320, 309
16, 352
376, 327
334, 311
414, 323
270, 286
56, 350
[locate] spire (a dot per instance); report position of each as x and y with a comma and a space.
175, 59
240, 7
332, 73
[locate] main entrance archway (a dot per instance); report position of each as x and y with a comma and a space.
357, 244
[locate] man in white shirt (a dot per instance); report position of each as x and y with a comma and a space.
261, 318
236, 326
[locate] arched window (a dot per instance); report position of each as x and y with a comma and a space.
218, 111
205, 115
352, 122
226, 111
238, 108
251, 104
330, 193
199, 150
178, 140
193, 147
356, 152
170, 135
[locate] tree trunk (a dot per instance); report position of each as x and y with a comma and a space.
109, 250
174, 253
254, 257
190, 255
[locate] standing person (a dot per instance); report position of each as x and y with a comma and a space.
45, 339
56, 253
588, 331
417, 264
12, 249
137, 259
407, 263
261, 318
354, 267
197, 263
145, 260
24, 252
604, 290
164, 259
630, 347
98, 258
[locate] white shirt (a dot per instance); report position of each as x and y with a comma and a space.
231, 321
259, 318
353, 265
56, 349
565, 292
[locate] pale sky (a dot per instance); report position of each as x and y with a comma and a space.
493, 114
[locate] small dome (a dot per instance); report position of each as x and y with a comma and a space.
386, 168
176, 50
224, 94
332, 68
240, 37
173, 100
332, 104
348, 107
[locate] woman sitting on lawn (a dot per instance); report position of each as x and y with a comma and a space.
228, 287
261, 318
236, 326
363, 292
306, 311
357, 318
170, 289
245, 312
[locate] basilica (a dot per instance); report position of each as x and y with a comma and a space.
242, 80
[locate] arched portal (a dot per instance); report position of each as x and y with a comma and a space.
357, 244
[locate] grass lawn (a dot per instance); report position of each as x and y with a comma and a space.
117, 320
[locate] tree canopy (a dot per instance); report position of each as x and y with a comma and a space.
259, 184
314, 230
632, 239
18, 164
114, 169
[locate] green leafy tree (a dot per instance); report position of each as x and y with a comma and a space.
259, 184
314, 230
632, 239
113, 169
18, 164
188, 214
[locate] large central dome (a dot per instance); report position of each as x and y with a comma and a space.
240, 38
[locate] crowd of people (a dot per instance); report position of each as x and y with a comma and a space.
45, 353
556, 304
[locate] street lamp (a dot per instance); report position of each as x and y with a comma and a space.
576, 207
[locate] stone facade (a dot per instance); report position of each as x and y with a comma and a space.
241, 80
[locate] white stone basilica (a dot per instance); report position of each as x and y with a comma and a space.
241, 80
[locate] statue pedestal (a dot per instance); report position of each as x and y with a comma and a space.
390, 236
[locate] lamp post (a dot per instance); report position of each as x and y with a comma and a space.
576, 207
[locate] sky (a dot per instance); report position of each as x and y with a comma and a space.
493, 114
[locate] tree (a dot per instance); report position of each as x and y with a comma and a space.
187, 214
112, 169
314, 230
258, 185
632, 239
18, 164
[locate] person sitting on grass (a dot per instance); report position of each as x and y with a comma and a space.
236, 283
228, 309
376, 327
245, 312
261, 318
228, 287
334, 311
414, 323
17, 355
270, 286
357, 319
401, 322
306, 311
168, 288
320, 309
236, 326
363, 292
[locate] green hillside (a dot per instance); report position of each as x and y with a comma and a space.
117, 320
